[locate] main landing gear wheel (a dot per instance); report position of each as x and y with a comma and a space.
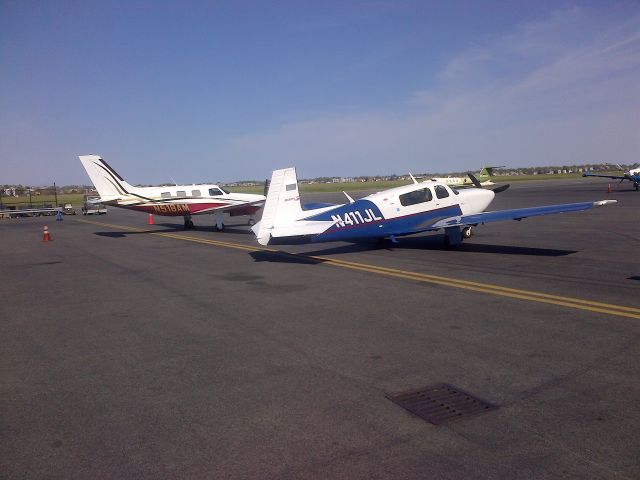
188, 225
219, 228
467, 232
251, 222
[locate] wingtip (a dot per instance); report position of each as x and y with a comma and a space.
602, 203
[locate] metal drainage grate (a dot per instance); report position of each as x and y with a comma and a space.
440, 403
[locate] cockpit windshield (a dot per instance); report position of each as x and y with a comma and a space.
225, 190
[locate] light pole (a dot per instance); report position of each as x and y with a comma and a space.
55, 193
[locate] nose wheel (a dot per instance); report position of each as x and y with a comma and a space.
467, 232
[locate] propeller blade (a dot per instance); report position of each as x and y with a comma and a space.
501, 188
474, 180
266, 187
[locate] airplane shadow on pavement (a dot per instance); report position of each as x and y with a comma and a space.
171, 228
435, 243
427, 243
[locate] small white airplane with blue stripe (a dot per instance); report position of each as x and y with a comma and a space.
410, 209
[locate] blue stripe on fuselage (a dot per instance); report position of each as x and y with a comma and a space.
363, 219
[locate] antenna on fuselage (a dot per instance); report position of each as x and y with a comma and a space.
351, 200
174, 182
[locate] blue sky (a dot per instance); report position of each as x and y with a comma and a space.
222, 91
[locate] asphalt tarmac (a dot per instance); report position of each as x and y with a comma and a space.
148, 352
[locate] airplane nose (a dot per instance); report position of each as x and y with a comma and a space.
488, 195
477, 200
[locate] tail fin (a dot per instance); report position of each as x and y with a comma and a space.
282, 205
109, 184
487, 172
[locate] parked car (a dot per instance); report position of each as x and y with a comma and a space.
68, 209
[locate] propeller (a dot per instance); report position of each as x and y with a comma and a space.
477, 184
266, 187
474, 180
501, 188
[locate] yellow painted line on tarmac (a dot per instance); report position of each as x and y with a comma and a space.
540, 297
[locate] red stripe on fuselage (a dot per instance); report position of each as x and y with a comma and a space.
178, 209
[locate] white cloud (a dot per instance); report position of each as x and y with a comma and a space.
563, 90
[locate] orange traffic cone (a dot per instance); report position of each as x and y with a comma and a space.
609, 189
45, 236
150, 222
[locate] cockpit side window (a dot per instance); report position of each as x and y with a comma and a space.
214, 191
441, 191
416, 196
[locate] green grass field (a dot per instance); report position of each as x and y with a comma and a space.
383, 185
75, 199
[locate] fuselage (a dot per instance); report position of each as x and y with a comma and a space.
395, 212
461, 181
181, 200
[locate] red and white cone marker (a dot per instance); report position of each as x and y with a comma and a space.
46, 237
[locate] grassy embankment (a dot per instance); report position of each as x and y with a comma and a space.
383, 185
77, 199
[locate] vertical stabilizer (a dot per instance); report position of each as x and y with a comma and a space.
282, 206
109, 184
487, 172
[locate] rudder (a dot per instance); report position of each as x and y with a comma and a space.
282, 205
109, 184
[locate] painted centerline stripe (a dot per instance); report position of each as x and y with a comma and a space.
540, 297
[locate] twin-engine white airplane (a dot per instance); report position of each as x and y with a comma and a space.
178, 200
484, 177
419, 207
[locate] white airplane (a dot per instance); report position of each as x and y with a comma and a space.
415, 208
633, 175
178, 200
484, 176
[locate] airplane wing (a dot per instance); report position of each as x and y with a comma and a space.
515, 214
615, 177
98, 200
